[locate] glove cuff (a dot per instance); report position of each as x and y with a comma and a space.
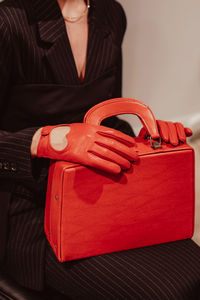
44, 148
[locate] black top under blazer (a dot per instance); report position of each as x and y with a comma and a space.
37, 78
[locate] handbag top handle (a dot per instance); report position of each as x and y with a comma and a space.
118, 106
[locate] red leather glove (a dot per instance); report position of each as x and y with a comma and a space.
96, 146
170, 132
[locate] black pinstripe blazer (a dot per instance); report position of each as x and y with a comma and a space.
35, 51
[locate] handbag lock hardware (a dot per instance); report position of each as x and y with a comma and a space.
155, 144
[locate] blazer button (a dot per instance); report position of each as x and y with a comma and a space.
13, 167
6, 166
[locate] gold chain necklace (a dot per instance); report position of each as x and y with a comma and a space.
77, 18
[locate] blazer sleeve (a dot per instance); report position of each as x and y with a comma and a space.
118, 81
118, 24
15, 160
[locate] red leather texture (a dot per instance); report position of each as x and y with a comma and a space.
90, 212
91, 145
120, 106
170, 132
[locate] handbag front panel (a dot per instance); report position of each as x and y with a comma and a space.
150, 204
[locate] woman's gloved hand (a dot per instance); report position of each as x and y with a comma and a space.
170, 132
95, 146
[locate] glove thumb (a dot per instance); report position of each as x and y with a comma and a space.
143, 133
188, 132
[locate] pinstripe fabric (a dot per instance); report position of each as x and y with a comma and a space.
16, 148
163, 272
34, 49
26, 240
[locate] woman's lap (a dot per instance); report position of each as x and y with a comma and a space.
168, 271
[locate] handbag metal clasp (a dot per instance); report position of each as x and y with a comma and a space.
155, 144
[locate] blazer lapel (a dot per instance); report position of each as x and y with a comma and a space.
99, 41
54, 40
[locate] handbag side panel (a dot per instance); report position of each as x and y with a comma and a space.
53, 205
48, 202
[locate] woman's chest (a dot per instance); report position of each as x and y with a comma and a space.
59, 56
77, 33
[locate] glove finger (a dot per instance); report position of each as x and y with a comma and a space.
117, 135
142, 133
102, 164
188, 132
118, 147
163, 130
110, 156
173, 136
181, 132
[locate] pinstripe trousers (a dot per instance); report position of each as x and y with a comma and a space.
163, 272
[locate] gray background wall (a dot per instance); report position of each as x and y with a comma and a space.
162, 57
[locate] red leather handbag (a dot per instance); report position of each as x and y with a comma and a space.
89, 212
